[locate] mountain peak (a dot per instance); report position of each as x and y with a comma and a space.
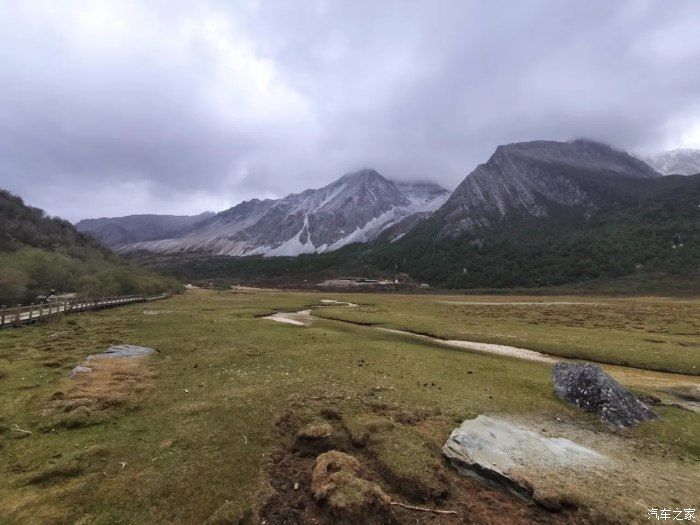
591, 143
363, 175
579, 154
542, 178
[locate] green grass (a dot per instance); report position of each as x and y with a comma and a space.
649, 333
223, 375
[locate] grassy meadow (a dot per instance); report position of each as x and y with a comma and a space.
203, 431
650, 333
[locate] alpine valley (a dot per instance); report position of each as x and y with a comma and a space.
538, 213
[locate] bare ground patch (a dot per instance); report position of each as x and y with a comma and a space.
381, 462
82, 400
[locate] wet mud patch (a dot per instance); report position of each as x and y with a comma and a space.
382, 469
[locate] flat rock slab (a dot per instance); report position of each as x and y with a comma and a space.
80, 369
117, 351
589, 388
515, 458
124, 351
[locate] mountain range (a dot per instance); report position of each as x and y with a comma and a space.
539, 179
539, 213
115, 232
355, 208
675, 162
535, 213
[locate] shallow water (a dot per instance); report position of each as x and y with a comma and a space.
665, 384
300, 318
487, 348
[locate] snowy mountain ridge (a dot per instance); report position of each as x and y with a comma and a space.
355, 208
683, 161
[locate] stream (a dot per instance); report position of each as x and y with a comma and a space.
674, 389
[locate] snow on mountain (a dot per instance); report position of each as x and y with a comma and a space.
426, 196
355, 208
675, 162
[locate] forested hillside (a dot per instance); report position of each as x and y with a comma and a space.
615, 242
39, 254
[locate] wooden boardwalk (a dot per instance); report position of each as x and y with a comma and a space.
22, 315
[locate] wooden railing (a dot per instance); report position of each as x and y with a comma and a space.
21, 315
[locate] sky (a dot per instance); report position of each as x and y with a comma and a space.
110, 108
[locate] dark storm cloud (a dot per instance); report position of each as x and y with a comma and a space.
123, 107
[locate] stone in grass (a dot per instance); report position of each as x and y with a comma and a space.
336, 482
124, 351
314, 438
589, 388
519, 460
80, 369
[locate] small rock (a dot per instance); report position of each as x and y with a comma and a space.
589, 388
80, 369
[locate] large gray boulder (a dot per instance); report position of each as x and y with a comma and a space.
589, 388
519, 460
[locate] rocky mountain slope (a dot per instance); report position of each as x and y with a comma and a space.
355, 208
115, 232
676, 162
542, 179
